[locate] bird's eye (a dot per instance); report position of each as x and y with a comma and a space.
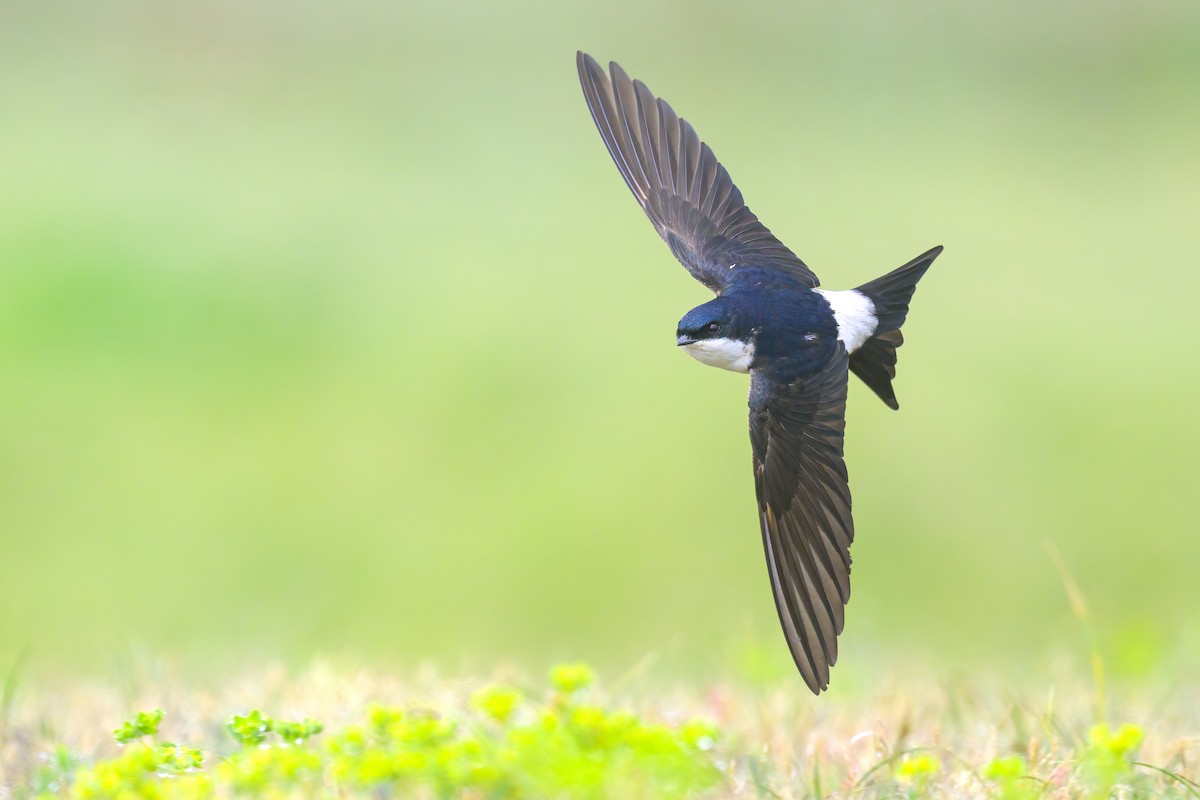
811, 337
712, 327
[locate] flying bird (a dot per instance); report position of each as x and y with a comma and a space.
798, 343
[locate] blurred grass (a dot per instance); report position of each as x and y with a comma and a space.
334, 328
425, 734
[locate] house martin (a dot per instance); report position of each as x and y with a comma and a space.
798, 343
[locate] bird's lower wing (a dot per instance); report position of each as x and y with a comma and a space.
796, 431
679, 183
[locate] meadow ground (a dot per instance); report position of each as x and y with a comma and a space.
427, 735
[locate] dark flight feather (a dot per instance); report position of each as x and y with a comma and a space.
797, 429
679, 183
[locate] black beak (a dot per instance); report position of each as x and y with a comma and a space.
684, 339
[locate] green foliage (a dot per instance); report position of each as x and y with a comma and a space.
56, 774
567, 741
144, 723
1107, 760
250, 729
518, 749
505, 747
915, 772
297, 732
264, 770
1011, 778
497, 702
570, 678
139, 772
176, 759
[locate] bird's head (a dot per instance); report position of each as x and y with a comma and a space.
717, 335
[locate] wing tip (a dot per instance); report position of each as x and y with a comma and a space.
817, 682
588, 67
618, 74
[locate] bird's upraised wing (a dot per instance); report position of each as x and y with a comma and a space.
796, 432
681, 186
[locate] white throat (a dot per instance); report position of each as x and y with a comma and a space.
855, 316
729, 354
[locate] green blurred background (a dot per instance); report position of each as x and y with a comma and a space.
331, 328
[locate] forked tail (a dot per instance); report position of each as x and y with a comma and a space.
875, 361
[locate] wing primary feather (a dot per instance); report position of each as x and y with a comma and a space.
627, 108
803, 589
668, 131
821, 614
834, 497
704, 180
828, 569
721, 198
785, 603
689, 148
648, 119
626, 146
598, 94
803, 611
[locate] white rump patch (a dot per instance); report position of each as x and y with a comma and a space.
729, 354
855, 316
